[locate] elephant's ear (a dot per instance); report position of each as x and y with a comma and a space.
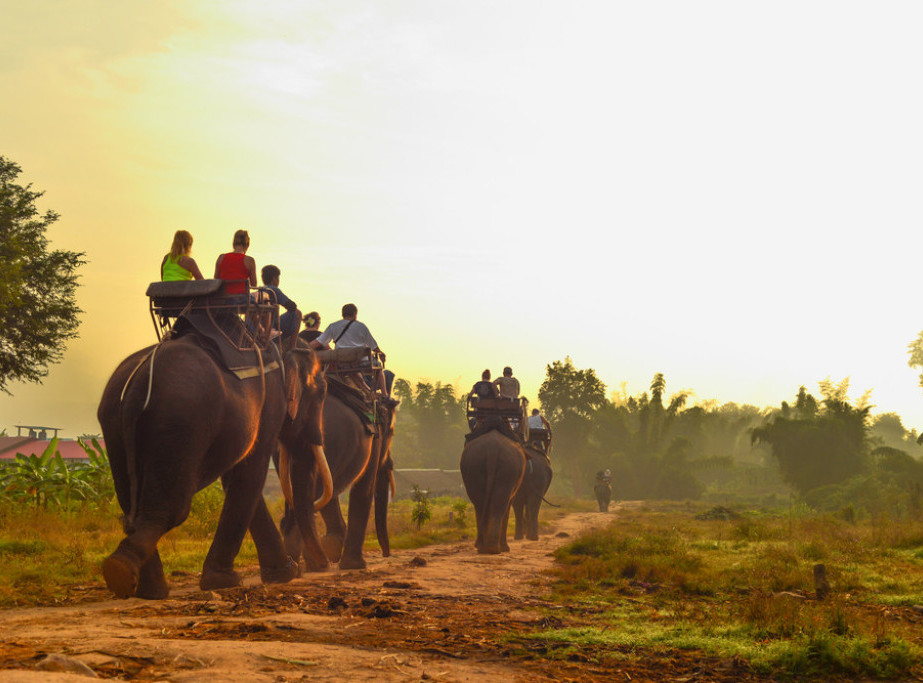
294, 387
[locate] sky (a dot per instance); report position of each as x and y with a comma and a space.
724, 192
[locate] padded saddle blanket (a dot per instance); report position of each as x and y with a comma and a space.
353, 399
211, 331
483, 426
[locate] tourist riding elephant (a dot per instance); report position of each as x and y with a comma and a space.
492, 467
355, 457
174, 421
528, 498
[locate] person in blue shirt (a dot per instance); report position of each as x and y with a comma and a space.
290, 321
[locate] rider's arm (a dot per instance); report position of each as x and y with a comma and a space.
251, 268
189, 264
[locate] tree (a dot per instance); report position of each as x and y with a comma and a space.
38, 308
430, 429
570, 399
818, 447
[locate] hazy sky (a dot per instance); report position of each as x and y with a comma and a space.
725, 192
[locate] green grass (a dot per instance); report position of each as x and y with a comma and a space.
659, 580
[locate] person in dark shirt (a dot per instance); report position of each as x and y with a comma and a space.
485, 388
311, 329
290, 321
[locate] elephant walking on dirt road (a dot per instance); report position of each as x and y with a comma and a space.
359, 463
492, 467
174, 421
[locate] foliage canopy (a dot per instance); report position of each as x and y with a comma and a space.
38, 308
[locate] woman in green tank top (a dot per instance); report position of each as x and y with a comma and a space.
178, 264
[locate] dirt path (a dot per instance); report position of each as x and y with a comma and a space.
444, 621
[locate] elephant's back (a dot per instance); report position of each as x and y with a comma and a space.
492, 446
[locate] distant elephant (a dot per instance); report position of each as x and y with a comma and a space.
603, 491
355, 458
492, 467
174, 421
528, 499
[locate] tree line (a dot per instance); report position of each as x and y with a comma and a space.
825, 451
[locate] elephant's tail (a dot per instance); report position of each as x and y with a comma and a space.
130, 436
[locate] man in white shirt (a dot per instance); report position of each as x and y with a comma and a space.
349, 333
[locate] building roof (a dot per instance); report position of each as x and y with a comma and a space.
68, 448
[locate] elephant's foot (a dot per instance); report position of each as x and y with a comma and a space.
532, 537
315, 562
153, 591
352, 563
485, 550
517, 536
333, 546
121, 573
215, 580
152, 584
284, 574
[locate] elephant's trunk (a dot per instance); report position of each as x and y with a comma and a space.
324, 470
392, 484
285, 475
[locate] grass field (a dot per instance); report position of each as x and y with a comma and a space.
667, 578
661, 579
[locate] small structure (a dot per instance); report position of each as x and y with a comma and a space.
36, 431
435, 482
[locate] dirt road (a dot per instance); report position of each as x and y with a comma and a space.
438, 613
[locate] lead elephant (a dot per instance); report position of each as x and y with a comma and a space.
603, 492
492, 467
356, 458
531, 493
174, 421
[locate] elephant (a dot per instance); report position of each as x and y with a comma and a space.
174, 421
358, 462
492, 467
603, 492
528, 499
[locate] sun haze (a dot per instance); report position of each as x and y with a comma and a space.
723, 192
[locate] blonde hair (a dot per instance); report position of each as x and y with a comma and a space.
241, 239
182, 244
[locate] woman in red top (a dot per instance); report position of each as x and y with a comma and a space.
236, 266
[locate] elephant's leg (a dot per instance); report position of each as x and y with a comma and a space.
504, 525
303, 483
152, 584
122, 569
518, 506
335, 534
476, 488
275, 564
291, 534
360, 509
532, 506
243, 488
382, 498
162, 505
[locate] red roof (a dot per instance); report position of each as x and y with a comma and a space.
68, 448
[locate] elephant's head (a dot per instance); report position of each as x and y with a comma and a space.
305, 391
